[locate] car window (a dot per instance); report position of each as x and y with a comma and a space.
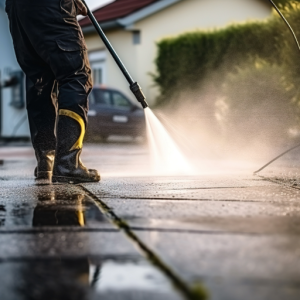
120, 101
100, 97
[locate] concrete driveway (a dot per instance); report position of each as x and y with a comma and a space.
140, 236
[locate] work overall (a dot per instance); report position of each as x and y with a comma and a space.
51, 50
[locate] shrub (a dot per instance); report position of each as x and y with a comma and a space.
187, 60
240, 83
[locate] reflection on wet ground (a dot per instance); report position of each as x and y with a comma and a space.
82, 279
81, 276
51, 207
57, 209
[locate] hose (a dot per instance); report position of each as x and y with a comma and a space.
287, 23
280, 155
298, 46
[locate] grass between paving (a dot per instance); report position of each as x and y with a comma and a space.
196, 292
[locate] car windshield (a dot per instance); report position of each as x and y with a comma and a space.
120, 101
110, 98
99, 96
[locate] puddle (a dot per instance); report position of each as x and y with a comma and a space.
128, 275
50, 208
84, 278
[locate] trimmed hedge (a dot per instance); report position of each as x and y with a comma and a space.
186, 60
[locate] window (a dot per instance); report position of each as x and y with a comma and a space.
97, 76
136, 37
98, 66
120, 101
99, 96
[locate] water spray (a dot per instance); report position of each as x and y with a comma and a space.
298, 46
134, 86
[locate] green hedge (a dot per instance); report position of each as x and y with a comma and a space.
186, 60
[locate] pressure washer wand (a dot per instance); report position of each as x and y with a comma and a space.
134, 86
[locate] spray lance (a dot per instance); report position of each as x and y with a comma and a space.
134, 86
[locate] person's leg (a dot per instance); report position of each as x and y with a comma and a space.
54, 33
41, 107
40, 95
74, 88
41, 103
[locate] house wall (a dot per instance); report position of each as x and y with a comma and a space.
121, 40
183, 16
10, 116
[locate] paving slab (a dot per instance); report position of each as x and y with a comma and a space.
232, 265
209, 216
194, 188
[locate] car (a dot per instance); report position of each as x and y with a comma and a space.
112, 113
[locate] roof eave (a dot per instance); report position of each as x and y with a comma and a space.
143, 13
128, 21
105, 26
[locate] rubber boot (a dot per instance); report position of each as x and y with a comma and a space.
68, 166
45, 161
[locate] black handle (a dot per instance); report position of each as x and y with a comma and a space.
139, 95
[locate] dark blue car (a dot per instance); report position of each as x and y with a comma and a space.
112, 113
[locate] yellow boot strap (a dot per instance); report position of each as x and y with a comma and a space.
80, 214
71, 114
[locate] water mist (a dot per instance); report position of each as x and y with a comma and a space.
165, 154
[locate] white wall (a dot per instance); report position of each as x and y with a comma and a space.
10, 116
122, 42
187, 15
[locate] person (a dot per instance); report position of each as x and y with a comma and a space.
50, 48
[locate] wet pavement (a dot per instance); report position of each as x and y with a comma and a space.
134, 236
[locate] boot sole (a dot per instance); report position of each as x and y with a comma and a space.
46, 175
72, 180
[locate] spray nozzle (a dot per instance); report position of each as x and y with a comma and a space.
137, 91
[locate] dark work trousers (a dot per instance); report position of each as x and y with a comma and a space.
50, 49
